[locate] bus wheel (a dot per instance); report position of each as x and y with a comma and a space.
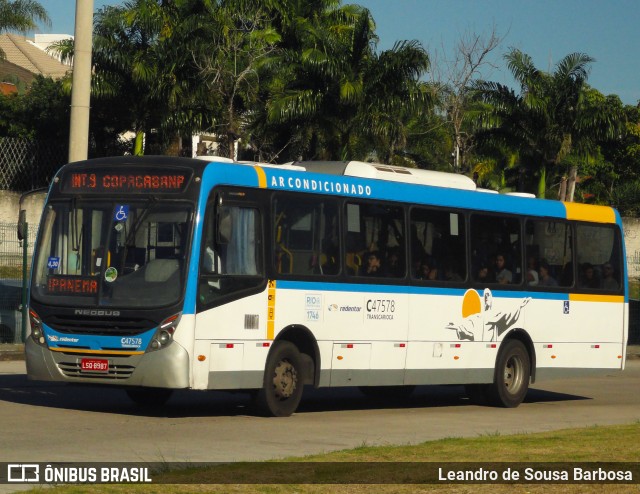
149, 397
282, 390
511, 381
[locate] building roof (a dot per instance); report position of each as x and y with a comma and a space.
20, 52
6, 88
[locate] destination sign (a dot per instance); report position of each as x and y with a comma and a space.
72, 285
134, 179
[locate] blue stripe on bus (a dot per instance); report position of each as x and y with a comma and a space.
410, 290
410, 193
345, 186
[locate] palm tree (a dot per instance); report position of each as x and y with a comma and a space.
231, 41
299, 118
21, 15
549, 118
342, 97
128, 64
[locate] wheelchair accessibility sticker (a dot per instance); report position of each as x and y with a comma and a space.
121, 213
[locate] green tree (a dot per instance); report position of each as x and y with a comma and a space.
550, 118
45, 110
231, 41
42, 113
127, 65
342, 97
612, 176
21, 15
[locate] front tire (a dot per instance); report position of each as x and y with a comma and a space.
511, 380
281, 392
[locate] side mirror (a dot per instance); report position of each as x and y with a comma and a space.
22, 225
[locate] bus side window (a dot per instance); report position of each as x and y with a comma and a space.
600, 263
549, 253
376, 239
438, 245
496, 249
231, 252
306, 238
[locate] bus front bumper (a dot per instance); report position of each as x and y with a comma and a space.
166, 368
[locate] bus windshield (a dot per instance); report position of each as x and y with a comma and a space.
112, 253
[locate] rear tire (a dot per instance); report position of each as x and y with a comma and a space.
511, 380
281, 392
149, 397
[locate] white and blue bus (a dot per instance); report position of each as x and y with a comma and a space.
159, 273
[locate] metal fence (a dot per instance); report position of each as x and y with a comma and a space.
28, 164
11, 260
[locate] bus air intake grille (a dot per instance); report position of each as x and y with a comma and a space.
100, 326
72, 369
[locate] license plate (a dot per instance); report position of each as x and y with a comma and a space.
94, 365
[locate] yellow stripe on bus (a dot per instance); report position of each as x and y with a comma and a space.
588, 212
271, 309
262, 177
94, 352
584, 297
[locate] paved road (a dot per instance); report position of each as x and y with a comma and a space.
54, 423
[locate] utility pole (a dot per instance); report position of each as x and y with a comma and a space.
81, 89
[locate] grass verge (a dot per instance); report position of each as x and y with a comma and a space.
594, 444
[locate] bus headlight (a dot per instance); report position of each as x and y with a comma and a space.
164, 334
36, 328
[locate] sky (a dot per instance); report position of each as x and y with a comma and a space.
547, 30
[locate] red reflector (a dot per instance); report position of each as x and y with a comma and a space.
402, 345
266, 345
350, 345
548, 346
596, 346
229, 345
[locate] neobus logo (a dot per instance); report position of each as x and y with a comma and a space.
96, 312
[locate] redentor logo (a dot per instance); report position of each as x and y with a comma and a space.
23, 472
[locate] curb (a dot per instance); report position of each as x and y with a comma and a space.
12, 352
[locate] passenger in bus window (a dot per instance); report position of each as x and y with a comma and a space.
608, 280
451, 275
374, 265
503, 275
545, 275
395, 267
532, 277
589, 278
428, 269
484, 275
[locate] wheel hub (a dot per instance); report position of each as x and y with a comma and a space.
285, 379
513, 375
